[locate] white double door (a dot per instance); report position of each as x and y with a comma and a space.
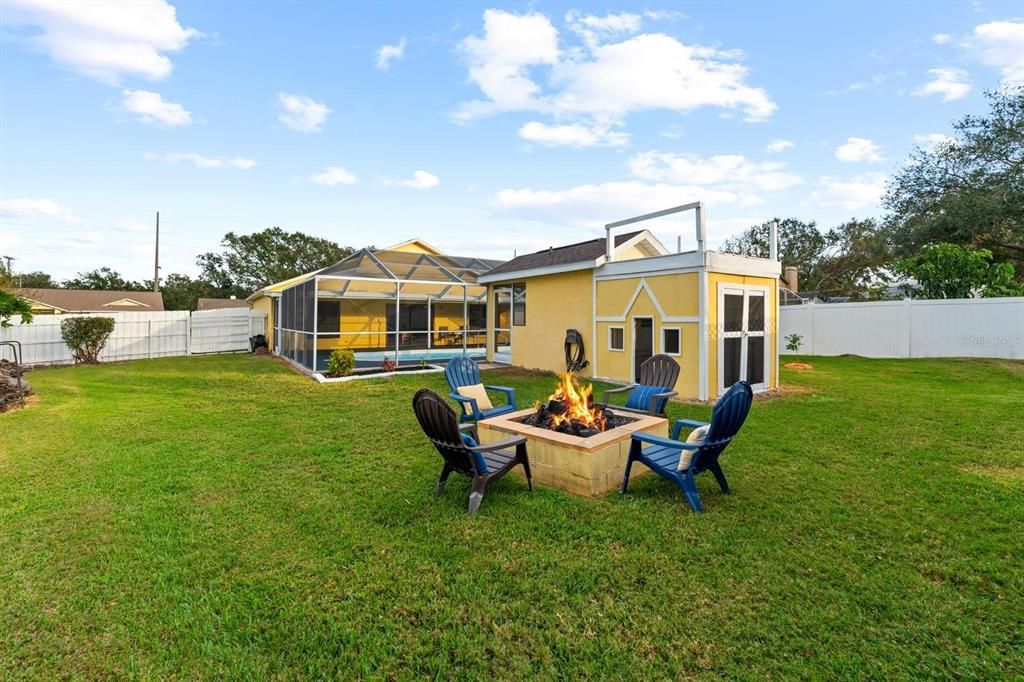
743, 343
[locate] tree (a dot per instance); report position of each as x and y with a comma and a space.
248, 262
104, 279
954, 271
969, 190
848, 260
85, 337
35, 280
12, 305
181, 292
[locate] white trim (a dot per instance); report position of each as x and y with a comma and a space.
610, 346
702, 334
593, 319
642, 285
733, 264
355, 376
632, 351
648, 236
679, 341
503, 358
744, 334
502, 277
670, 263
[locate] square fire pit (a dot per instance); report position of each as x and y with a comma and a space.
582, 466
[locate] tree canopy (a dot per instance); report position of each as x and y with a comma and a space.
954, 271
968, 190
247, 262
104, 279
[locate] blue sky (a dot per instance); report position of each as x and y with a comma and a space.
482, 128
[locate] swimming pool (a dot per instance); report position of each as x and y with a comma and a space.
406, 357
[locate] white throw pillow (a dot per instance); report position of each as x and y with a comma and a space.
696, 436
477, 392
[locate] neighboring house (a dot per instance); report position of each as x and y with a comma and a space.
441, 310
220, 303
59, 301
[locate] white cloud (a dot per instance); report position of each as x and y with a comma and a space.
864, 191
594, 29
151, 107
106, 39
858, 149
302, 113
663, 15
420, 179
1000, 44
499, 62
778, 146
723, 171
596, 204
933, 140
941, 38
200, 161
32, 209
333, 175
600, 81
389, 53
951, 83
573, 135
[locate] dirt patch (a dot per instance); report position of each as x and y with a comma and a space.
1006, 474
798, 365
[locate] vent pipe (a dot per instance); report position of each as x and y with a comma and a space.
773, 240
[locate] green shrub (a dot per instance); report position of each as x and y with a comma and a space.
86, 337
13, 306
341, 362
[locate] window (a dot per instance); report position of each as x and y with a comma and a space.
518, 305
670, 342
412, 317
477, 316
616, 338
328, 317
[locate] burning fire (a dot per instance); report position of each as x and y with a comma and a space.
578, 403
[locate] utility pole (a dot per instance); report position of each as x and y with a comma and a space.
156, 256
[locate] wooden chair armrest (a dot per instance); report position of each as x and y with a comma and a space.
500, 445
651, 439
616, 391
473, 408
510, 393
652, 402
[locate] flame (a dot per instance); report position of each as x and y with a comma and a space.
578, 403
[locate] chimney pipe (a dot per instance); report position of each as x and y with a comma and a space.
791, 278
773, 240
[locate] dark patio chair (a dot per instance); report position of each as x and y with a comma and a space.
664, 454
658, 376
458, 445
463, 371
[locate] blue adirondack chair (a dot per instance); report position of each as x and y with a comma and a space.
663, 454
463, 371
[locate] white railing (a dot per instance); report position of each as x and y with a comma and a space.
971, 328
143, 335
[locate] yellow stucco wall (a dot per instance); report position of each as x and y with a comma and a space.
771, 323
677, 295
554, 303
267, 305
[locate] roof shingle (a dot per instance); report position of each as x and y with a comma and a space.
95, 301
561, 255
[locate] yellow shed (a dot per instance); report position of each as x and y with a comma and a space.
626, 297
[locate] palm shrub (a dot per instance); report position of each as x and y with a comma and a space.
341, 362
86, 337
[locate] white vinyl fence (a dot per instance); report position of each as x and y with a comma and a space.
142, 335
971, 328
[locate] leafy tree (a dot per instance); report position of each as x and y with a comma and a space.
11, 304
104, 279
954, 271
248, 262
86, 337
36, 280
181, 292
848, 260
968, 191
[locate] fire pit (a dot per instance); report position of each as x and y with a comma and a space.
574, 444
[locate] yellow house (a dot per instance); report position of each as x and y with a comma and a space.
409, 303
626, 297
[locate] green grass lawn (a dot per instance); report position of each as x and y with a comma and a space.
222, 516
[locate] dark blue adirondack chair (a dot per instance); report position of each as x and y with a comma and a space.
663, 454
463, 371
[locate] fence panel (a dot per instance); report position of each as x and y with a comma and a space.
983, 328
143, 335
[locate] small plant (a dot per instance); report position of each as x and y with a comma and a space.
86, 337
793, 343
387, 364
341, 362
423, 364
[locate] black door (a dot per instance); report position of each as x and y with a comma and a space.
643, 343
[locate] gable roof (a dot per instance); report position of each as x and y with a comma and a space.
220, 303
95, 301
583, 254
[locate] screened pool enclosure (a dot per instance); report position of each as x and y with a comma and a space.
410, 307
